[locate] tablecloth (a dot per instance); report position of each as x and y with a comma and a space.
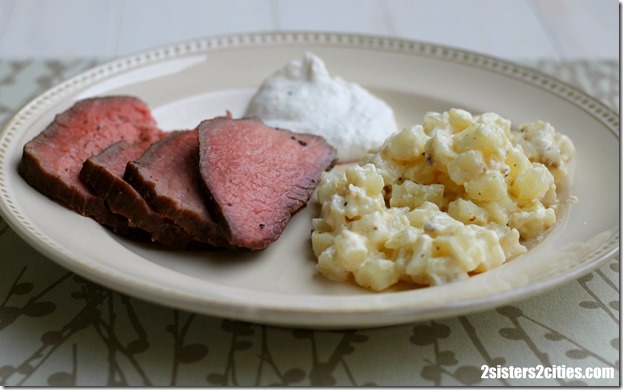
59, 329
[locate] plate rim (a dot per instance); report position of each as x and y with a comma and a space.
49, 248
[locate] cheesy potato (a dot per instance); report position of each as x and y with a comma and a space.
457, 195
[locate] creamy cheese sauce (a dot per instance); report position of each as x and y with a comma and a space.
438, 202
304, 97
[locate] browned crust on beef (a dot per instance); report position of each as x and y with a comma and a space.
104, 174
51, 161
257, 177
92, 206
167, 177
227, 184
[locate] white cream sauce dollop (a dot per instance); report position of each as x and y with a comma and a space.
304, 97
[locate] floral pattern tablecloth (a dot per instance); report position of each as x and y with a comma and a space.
58, 329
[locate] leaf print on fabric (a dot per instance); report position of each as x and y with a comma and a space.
323, 372
291, 376
446, 358
52, 337
590, 305
64, 378
615, 343
191, 353
554, 336
577, 353
33, 307
8, 315
38, 309
99, 314
183, 353
596, 302
512, 334
6, 372
511, 312
517, 333
430, 335
137, 346
217, 379
237, 329
469, 375
22, 288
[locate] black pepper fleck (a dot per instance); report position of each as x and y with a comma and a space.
262, 226
303, 143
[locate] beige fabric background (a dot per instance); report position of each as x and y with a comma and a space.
59, 329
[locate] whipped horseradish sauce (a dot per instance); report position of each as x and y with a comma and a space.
303, 97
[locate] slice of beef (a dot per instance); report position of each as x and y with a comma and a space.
167, 177
51, 161
256, 177
104, 174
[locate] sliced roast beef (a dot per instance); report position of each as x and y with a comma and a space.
167, 177
256, 177
104, 174
51, 161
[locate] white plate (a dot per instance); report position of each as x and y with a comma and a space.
188, 82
